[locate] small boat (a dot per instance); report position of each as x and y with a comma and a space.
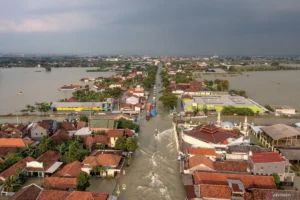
20, 92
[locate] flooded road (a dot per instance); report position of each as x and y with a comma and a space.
154, 171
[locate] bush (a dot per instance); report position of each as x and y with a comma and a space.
231, 110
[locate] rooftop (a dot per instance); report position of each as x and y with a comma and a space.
215, 191
70, 170
222, 101
290, 154
249, 181
197, 160
280, 131
59, 183
211, 134
30, 192
110, 160
12, 170
267, 157
203, 151
12, 142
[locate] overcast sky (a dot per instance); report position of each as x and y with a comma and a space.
151, 27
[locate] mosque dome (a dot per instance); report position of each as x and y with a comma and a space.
227, 125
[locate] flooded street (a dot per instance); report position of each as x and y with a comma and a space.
154, 171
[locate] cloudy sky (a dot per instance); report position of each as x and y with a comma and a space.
151, 27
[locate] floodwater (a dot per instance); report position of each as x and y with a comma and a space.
154, 171
267, 87
38, 86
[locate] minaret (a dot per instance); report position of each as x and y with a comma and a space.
245, 125
219, 118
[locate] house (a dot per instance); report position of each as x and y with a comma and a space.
80, 125
283, 109
100, 88
211, 185
45, 164
60, 183
14, 169
76, 195
268, 163
113, 163
69, 170
35, 192
114, 134
202, 163
29, 192
97, 139
14, 131
126, 107
60, 136
208, 152
242, 152
40, 130
11, 145
85, 131
68, 126
52, 124
132, 99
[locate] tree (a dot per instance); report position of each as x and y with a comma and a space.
46, 145
83, 181
269, 108
124, 123
131, 144
30, 151
74, 153
101, 133
43, 107
276, 180
169, 100
12, 184
121, 143
9, 160
275, 63
100, 146
98, 170
84, 118
30, 108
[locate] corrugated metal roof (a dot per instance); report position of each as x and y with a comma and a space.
78, 104
54, 167
279, 131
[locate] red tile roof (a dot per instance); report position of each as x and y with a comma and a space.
14, 169
266, 157
199, 159
203, 151
215, 191
68, 126
231, 166
60, 136
59, 183
72, 99
12, 142
70, 170
210, 133
44, 125
249, 181
115, 133
103, 160
53, 195
48, 159
30, 192
80, 125
78, 195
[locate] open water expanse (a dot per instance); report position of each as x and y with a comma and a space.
38, 86
267, 87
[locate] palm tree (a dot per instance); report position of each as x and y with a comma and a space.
102, 170
12, 184
30, 150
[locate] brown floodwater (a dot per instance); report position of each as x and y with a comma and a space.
267, 87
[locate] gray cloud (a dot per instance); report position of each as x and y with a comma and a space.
169, 27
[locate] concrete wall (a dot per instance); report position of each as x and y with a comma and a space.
38, 133
194, 141
269, 169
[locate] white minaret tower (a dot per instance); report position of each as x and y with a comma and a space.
245, 125
219, 118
